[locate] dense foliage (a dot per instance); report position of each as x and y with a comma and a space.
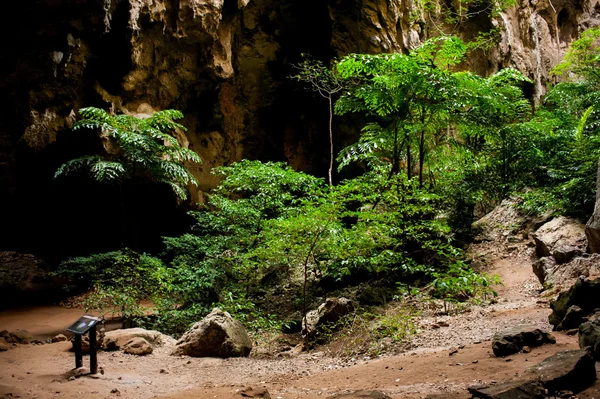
439, 147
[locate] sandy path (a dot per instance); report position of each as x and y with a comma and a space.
37, 371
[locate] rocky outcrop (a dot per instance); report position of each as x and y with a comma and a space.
217, 335
589, 335
565, 371
24, 274
562, 238
550, 273
584, 294
512, 341
592, 227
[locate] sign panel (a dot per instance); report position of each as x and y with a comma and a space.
84, 324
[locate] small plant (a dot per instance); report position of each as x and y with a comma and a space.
460, 283
370, 332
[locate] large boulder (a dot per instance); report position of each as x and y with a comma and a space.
115, 340
510, 390
585, 294
217, 335
513, 340
327, 313
562, 237
551, 273
565, 371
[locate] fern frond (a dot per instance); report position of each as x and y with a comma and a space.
77, 165
107, 171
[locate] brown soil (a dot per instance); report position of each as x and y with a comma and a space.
426, 368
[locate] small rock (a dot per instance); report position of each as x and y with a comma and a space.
512, 341
250, 392
526, 349
361, 395
59, 338
138, 346
3, 347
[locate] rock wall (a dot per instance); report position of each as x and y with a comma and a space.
224, 63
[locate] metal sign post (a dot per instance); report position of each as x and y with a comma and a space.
85, 324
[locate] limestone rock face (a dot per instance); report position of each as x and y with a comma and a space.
225, 64
217, 335
549, 272
23, 273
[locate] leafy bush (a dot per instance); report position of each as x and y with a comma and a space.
120, 281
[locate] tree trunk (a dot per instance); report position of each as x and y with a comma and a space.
408, 161
421, 157
330, 140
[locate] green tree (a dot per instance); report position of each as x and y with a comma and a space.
409, 98
135, 148
220, 253
328, 83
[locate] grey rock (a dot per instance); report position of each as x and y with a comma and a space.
510, 390
584, 293
551, 273
573, 318
512, 341
562, 237
256, 393
566, 371
589, 335
327, 313
217, 335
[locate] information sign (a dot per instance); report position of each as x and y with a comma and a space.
84, 324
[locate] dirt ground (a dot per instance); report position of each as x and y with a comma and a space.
425, 368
